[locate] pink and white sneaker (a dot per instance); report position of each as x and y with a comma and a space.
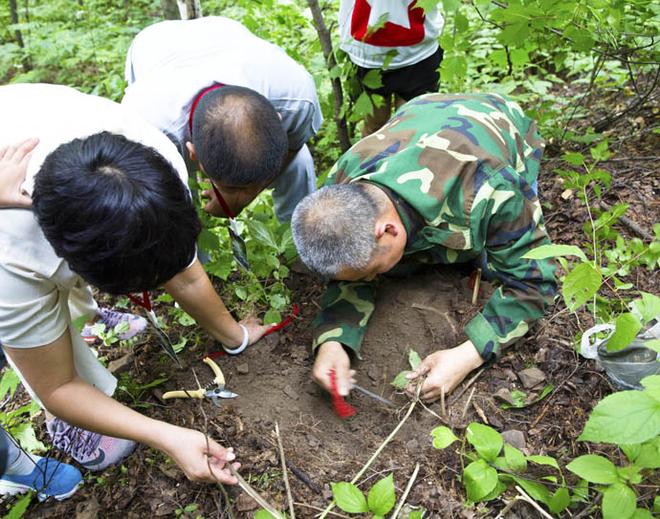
112, 318
92, 450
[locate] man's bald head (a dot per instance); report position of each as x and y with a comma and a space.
238, 137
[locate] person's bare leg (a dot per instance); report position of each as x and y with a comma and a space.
373, 122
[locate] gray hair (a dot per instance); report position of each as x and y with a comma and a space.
333, 229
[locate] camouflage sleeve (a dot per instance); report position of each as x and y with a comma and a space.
510, 223
345, 311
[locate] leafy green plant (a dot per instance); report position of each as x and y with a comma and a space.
18, 422
401, 380
109, 336
496, 466
379, 500
135, 390
188, 511
19, 507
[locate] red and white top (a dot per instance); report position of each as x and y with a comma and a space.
402, 27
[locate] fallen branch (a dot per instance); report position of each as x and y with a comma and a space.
284, 471
315, 487
405, 492
312, 507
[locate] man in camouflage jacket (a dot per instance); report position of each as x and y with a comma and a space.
449, 179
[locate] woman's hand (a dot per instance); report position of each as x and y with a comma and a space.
254, 327
444, 370
200, 458
13, 166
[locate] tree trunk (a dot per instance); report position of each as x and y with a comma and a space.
170, 9
13, 9
338, 94
190, 9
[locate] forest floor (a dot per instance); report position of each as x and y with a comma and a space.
425, 313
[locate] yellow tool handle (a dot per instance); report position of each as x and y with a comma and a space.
219, 379
195, 393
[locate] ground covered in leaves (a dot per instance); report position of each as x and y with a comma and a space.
424, 313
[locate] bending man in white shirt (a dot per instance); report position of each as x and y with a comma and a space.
237, 107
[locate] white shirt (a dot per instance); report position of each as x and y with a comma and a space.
404, 30
34, 282
170, 62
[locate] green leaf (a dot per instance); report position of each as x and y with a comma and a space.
400, 381
363, 106
622, 418
514, 458
414, 359
272, 316
648, 306
594, 468
574, 158
656, 505
19, 508
260, 232
265, 514
486, 440
8, 383
26, 437
349, 498
536, 490
479, 479
653, 344
382, 496
373, 79
560, 500
416, 514
543, 460
649, 455
619, 502
580, 285
642, 513
627, 328
553, 251
443, 437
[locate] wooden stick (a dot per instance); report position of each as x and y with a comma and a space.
466, 387
405, 493
253, 493
284, 471
467, 404
442, 401
525, 497
378, 450
475, 290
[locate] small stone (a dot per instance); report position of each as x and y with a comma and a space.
243, 369
290, 392
505, 395
541, 355
169, 470
245, 503
412, 445
515, 438
373, 373
313, 441
531, 377
114, 366
327, 493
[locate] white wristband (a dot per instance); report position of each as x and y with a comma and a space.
246, 340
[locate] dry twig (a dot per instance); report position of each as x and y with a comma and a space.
284, 471
405, 492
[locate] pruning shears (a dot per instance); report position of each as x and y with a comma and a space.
215, 394
163, 338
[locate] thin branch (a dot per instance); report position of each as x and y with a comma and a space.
284, 471
405, 492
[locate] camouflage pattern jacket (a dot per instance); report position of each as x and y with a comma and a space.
462, 171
